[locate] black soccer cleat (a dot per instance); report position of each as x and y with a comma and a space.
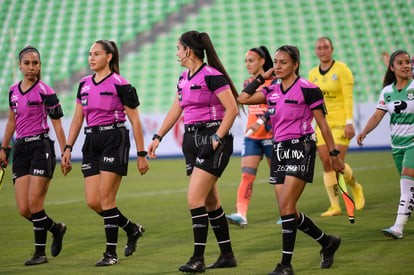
328, 252
36, 259
224, 261
107, 260
57, 240
282, 270
194, 265
131, 245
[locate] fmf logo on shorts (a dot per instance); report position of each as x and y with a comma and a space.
200, 161
108, 160
38, 172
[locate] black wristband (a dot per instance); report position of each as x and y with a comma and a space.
266, 116
260, 78
155, 136
334, 153
67, 146
251, 88
142, 153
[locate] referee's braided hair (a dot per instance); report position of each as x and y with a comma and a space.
199, 42
110, 47
27, 49
389, 76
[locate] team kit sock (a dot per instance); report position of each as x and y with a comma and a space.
331, 185
356, 188
244, 192
199, 218
40, 233
111, 224
220, 227
289, 228
406, 203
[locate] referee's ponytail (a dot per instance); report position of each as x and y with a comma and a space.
110, 47
200, 42
263, 52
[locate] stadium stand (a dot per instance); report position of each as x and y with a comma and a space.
147, 31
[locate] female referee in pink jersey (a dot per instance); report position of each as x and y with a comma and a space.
34, 160
207, 98
105, 99
292, 105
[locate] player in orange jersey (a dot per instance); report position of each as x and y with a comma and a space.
257, 143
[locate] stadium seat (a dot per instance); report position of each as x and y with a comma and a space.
64, 30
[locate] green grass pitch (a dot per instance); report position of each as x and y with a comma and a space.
158, 201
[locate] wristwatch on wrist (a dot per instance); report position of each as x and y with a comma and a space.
334, 153
142, 153
157, 137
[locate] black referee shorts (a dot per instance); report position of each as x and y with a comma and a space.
294, 157
106, 150
198, 151
34, 156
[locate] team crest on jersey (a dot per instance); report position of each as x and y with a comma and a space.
334, 77
274, 96
410, 95
181, 82
85, 88
14, 98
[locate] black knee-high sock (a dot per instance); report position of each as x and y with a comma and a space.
128, 226
51, 225
124, 223
220, 227
39, 220
111, 223
306, 225
199, 218
289, 228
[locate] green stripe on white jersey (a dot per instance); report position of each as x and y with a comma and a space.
400, 106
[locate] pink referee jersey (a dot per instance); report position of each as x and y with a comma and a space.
291, 110
30, 109
198, 94
101, 104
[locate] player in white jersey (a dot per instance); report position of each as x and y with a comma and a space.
397, 98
